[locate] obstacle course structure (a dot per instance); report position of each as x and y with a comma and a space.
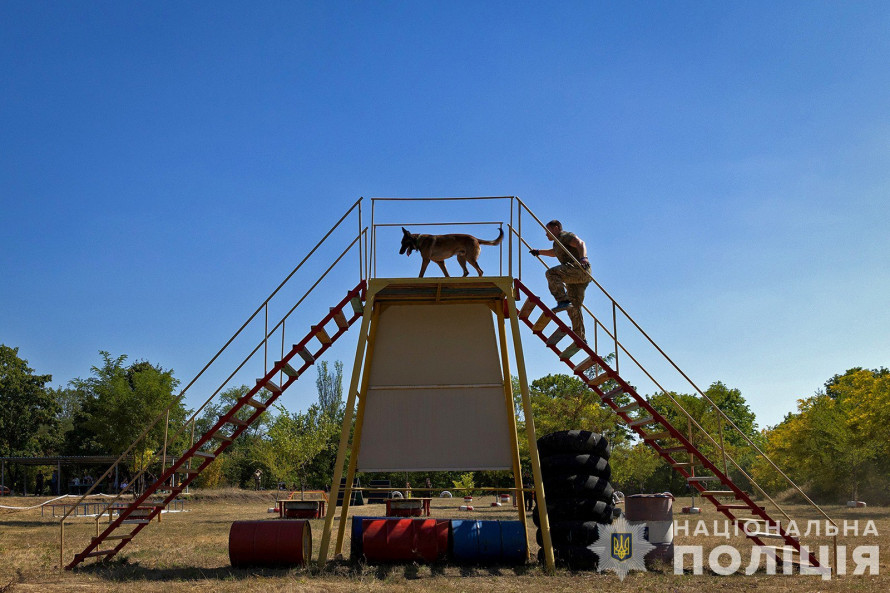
433, 352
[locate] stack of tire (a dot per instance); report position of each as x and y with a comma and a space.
576, 472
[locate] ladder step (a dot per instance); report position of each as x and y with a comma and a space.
753, 520
657, 436
555, 337
238, 421
613, 393
736, 507
526, 309
307, 356
781, 552
770, 534
627, 408
570, 351
585, 364
135, 522
289, 370
679, 449
99, 553
641, 422
192, 471
270, 385
598, 380
702, 479
541, 323
205, 455
339, 318
256, 404
223, 436
720, 493
357, 305
321, 334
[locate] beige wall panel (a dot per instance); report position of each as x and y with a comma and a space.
431, 427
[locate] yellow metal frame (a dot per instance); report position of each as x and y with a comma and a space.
358, 389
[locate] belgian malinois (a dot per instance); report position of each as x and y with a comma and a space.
438, 248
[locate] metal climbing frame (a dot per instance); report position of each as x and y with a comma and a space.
711, 442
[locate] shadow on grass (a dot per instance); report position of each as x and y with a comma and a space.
123, 570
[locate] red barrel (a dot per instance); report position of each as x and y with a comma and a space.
270, 543
401, 540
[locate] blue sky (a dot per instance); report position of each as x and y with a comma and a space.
164, 165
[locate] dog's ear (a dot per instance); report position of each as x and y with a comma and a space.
404, 230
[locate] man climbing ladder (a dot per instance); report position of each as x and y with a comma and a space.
567, 281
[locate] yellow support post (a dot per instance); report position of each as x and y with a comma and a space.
344, 434
511, 418
530, 433
357, 433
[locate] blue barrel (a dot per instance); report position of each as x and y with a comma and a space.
488, 542
514, 545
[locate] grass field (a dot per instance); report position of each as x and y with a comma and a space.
188, 552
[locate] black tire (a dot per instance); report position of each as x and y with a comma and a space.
568, 463
578, 486
571, 533
573, 557
574, 441
577, 510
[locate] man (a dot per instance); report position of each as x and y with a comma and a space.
567, 281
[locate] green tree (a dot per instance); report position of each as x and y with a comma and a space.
330, 388
296, 439
118, 402
836, 444
28, 410
633, 465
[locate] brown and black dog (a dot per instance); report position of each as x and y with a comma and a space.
438, 248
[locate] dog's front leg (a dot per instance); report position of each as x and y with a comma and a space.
444, 271
423, 266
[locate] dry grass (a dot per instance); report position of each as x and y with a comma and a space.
188, 552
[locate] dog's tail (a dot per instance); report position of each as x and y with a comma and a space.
496, 241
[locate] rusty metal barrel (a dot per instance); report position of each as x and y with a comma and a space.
270, 543
656, 512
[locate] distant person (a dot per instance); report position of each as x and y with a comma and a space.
567, 281
257, 478
529, 496
38, 484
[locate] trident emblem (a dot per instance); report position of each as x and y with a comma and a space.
622, 546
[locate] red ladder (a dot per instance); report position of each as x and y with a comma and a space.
138, 514
660, 432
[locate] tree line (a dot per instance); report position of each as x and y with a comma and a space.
835, 445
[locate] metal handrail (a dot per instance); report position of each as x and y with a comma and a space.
192, 421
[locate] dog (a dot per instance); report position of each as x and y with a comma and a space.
438, 248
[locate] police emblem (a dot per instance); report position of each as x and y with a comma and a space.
621, 547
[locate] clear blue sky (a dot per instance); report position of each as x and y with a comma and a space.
164, 164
